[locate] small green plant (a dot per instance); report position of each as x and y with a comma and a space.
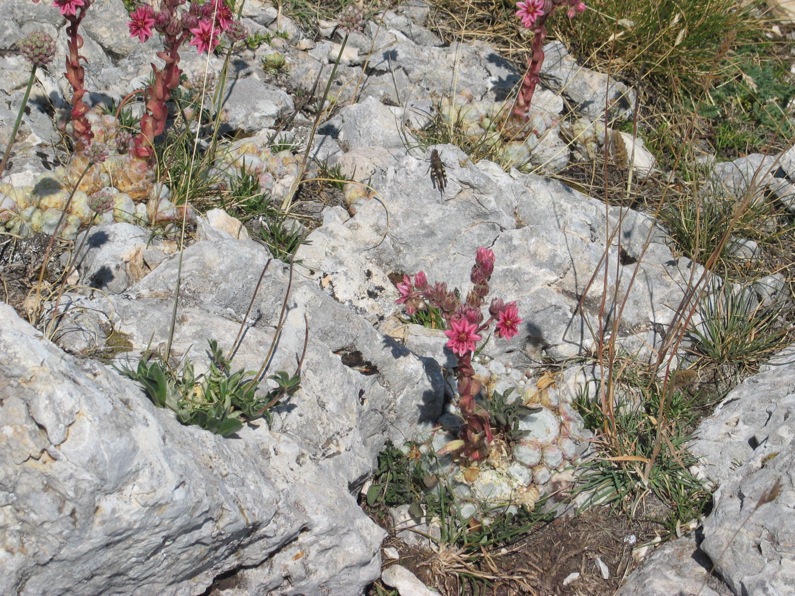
505, 414
246, 199
282, 238
273, 63
735, 328
430, 318
219, 400
256, 39
750, 109
284, 143
332, 175
127, 120
398, 480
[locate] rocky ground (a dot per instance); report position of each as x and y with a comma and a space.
103, 492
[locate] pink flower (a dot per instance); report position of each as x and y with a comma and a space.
530, 11
420, 280
462, 337
68, 7
575, 9
470, 313
205, 36
219, 9
404, 288
483, 267
508, 321
142, 19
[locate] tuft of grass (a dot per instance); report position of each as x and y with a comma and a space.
282, 235
673, 45
626, 436
246, 199
736, 329
332, 175
191, 178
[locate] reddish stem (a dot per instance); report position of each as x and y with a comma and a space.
75, 74
521, 108
153, 123
476, 432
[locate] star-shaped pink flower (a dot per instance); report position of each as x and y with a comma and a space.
205, 36
462, 337
530, 11
508, 321
68, 7
142, 19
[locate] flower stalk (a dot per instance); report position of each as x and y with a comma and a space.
465, 323
38, 48
74, 11
18, 121
534, 14
202, 24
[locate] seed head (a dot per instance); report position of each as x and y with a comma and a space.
351, 19
38, 48
237, 31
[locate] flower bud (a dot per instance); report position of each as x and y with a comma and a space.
496, 306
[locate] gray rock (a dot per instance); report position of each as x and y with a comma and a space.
102, 492
251, 105
590, 91
405, 582
745, 448
677, 567
751, 174
548, 241
111, 256
743, 422
366, 124
320, 450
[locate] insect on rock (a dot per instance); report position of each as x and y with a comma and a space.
438, 175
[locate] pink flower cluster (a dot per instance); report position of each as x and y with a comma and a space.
465, 320
465, 324
202, 23
205, 22
68, 7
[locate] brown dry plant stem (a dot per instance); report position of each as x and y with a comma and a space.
68, 269
277, 333
288, 199
51, 243
18, 121
239, 338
